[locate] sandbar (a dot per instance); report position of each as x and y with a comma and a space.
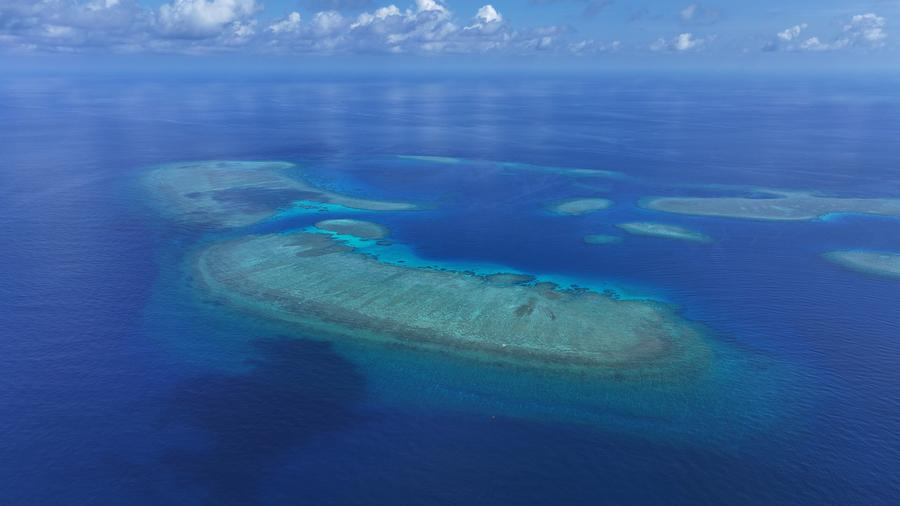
780, 205
322, 285
576, 207
880, 263
356, 228
663, 230
240, 193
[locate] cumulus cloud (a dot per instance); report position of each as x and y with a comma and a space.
814, 44
355, 26
430, 6
380, 14
202, 18
194, 26
682, 43
327, 22
61, 25
867, 29
427, 27
289, 24
789, 34
861, 31
487, 20
488, 14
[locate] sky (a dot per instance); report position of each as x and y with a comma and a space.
788, 33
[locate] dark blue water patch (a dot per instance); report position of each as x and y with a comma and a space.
496, 460
295, 391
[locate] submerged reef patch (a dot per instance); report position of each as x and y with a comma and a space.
449, 160
781, 205
356, 228
513, 166
316, 282
663, 230
602, 239
879, 263
576, 207
238, 193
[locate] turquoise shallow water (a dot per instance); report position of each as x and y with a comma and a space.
735, 399
733, 402
124, 382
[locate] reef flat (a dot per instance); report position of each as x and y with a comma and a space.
239, 193
602, 239
356, 228
781, 205
664, 231
880, 263
322, 285
576, 207
508, 278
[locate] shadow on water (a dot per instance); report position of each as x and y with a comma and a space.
295, 390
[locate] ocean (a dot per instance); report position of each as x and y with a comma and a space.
122, 383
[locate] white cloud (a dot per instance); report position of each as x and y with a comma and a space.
488, 14
380, 14
867, 28
385, 12
416, 26
57, 31
327, 22
814, 44
202, 18
862, 31
428, 27
65, 25
789, 34
686, 42
682, 43
487, 21
430, 6
241, 32
289, 24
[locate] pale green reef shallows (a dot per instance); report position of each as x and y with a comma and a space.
238, 193
664, 231
356, 228
783, 205
319, 283
576, 207
879, 263
602, 239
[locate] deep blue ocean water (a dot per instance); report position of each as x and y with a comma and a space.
121, 385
